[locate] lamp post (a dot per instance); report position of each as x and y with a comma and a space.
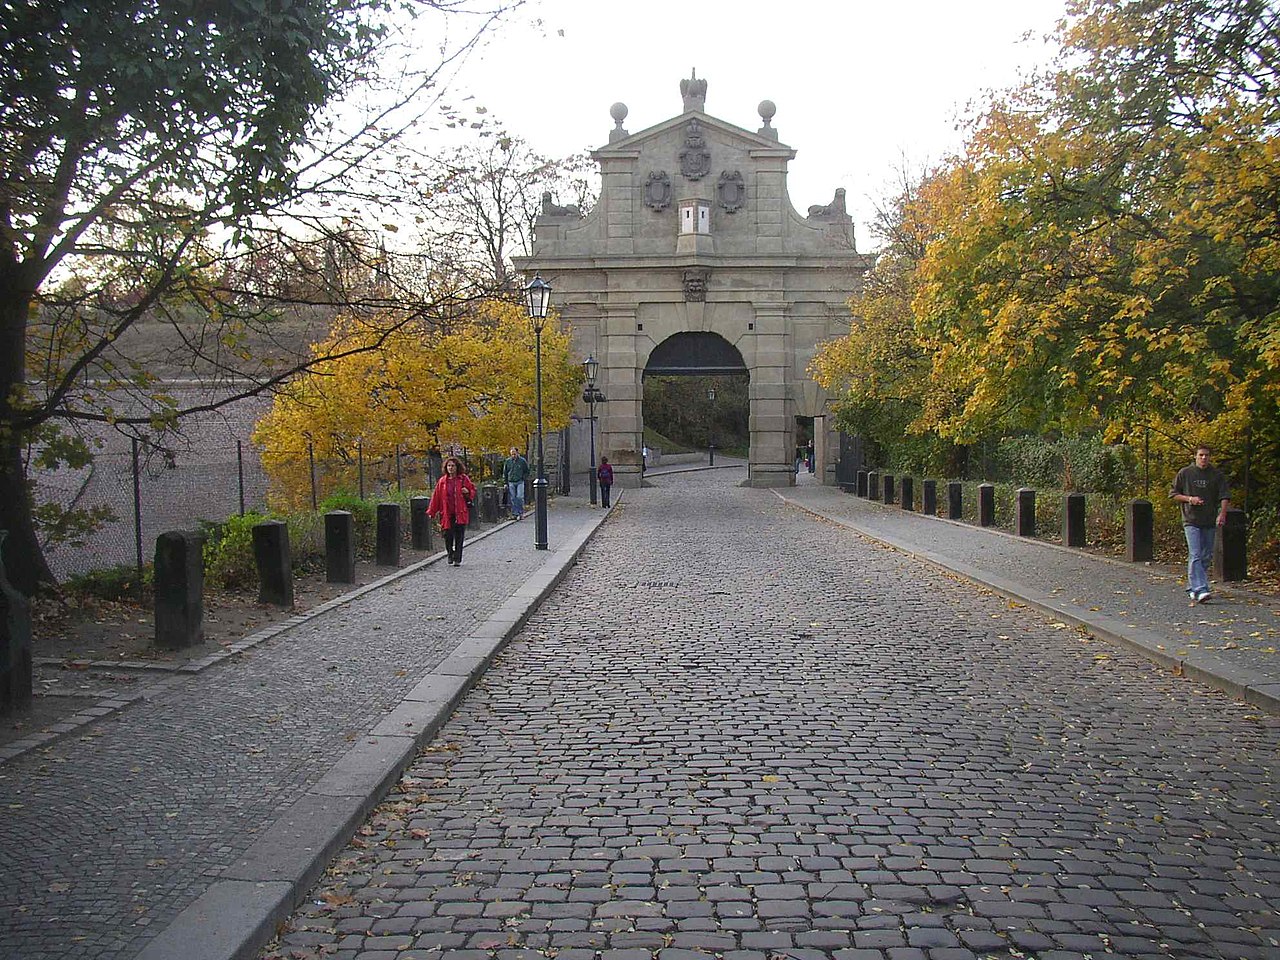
537, 299
592, 366
711, 427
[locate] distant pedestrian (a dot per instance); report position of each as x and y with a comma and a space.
604, 473
1201, 488
451, 501
644, 458
515, 470
809, 458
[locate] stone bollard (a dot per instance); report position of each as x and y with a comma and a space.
490, 503
387, 550
955, 500
271, 556
888, 488
339, 547
15, 645
1024, 520
908, 493
930, 494
873, 485
1139, 531
1231, 561
986, 504
419, 523
1073, 520
862, 483
179, 589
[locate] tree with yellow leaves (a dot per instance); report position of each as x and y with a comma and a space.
467, 381
1105, 255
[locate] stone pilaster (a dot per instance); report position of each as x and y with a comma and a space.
620, 419
772, 422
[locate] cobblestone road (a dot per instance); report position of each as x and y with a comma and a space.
107, 836
737, 731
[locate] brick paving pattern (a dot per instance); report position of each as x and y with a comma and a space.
108, 835
1242, 628
739, 732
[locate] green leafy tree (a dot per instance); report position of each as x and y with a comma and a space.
150, 152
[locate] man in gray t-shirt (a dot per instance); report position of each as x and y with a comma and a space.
1201, 488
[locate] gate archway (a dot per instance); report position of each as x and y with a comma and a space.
694, 260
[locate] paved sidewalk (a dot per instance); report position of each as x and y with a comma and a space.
1232, 643
188, 823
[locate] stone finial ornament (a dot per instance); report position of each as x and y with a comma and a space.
619, 113
766, 110
694, 92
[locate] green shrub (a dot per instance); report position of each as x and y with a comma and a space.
118, 583
228, 551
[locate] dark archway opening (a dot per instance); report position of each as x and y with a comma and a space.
696, 396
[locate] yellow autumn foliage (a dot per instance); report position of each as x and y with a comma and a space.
468, 383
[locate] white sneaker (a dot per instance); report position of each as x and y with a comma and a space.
1203, 596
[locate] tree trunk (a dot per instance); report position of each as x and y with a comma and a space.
24, 562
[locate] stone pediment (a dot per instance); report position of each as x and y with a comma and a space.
676, 131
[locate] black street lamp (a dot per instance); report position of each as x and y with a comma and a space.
592, 396
711, 427
537, 300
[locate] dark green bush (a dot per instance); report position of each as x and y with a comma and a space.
112, 583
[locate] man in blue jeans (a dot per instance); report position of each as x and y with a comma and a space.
515, 469
1201, 488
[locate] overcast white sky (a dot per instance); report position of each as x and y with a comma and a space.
857, 84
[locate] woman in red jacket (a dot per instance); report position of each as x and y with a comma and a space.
451, 502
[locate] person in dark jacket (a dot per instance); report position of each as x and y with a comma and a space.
451, 501
1201, 488
604, 474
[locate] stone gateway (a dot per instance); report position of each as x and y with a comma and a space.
695, 234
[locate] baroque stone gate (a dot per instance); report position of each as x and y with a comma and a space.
694, 234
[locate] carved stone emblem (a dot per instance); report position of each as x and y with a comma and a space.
731, 191
695, 285
657, 190
695, 158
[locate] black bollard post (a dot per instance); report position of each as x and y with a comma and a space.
929, 498
986, 504
873, 485
908, 493
1139, 531
271, 556
419, 523
862, 483
179, 590
490, 503
955, 500
1073, 520
1024, 521
1231, 560
388, 533
888, 488
339, 547
15, 645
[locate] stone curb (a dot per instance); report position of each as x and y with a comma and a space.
107, 706
240, 912
1201, 666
